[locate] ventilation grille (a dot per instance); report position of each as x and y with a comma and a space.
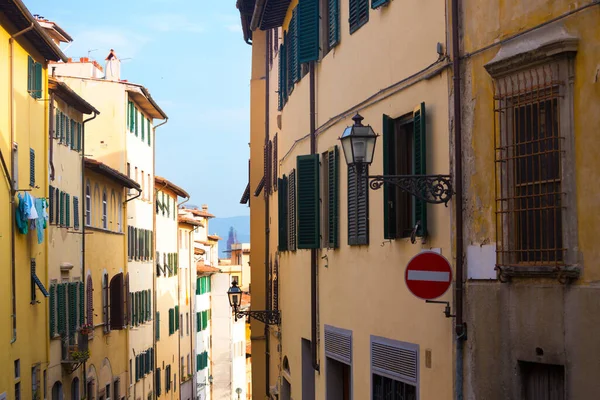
394, 362
338, 345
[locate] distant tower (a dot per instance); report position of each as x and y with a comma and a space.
232, 239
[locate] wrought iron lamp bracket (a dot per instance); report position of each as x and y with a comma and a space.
434, 189
269, 317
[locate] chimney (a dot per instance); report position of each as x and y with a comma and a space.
204, 207
113, 67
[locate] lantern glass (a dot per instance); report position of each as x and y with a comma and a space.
235, 296
358, 143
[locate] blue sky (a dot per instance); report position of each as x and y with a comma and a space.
192, 57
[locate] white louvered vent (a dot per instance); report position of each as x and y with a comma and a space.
338, 344
394, 361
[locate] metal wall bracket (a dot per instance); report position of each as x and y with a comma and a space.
269, 317
434, 189
447, 311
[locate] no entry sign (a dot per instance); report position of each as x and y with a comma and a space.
428, 275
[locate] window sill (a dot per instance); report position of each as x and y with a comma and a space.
563, 274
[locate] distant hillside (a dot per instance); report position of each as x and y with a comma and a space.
221, 226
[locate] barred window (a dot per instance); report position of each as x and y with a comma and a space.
530, 149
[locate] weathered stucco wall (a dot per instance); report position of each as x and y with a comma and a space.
512, 320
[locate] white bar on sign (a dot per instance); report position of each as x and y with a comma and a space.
433, 276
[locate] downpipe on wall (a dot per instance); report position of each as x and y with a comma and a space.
460, 327
267, 230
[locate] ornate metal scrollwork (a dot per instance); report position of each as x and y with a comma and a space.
434, 189
266, 317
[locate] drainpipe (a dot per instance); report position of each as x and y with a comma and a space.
313, 252
267, 250
460, 328
15, 184
83, 225
51, 130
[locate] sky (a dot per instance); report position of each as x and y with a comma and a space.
192, 57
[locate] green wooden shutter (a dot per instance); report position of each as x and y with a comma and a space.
282, 213
143, 121
51, 204
149, 132
198, 286
73, 134
291, 189
72, 289
31, 167
198, 323
333, 200
171, 321
333, 22
293, 48
280, 82
135, 120
358, 208
308, 31
38, 81
158, 380
79, 126
68, 210
52, 309
420, 167
359, 14
61, 307
378, 3
176, 318
157, 325
144, 313
308, 201
81, 303
61, 208
57, 125
389, 160
149, 304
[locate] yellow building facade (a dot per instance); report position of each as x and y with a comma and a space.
530, 94
110, 308
65, 239
24, 148
334, 256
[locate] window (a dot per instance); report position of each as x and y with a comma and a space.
308, 202
330, 198
358, 207
117, 300
542, 381
395, 371
104, 210
149, 132
359, 14
34, 78
143, 128
88, 204
330, 24
130, 116
187, 324
389, 389
17, 368
143, 184
533, 143
149, 194
405, 153
168, 378
128, 170
120, 214
18, 391
171, 321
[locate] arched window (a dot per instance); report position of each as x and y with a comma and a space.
75, 389
88, 204
89, 294
57, 391
104, 210
96, 204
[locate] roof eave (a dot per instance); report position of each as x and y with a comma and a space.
71, 97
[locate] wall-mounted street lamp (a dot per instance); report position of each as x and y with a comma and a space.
269, 317
358, 143
203, 384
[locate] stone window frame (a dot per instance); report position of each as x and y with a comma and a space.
545, 46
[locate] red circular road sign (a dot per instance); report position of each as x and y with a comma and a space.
428, 275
